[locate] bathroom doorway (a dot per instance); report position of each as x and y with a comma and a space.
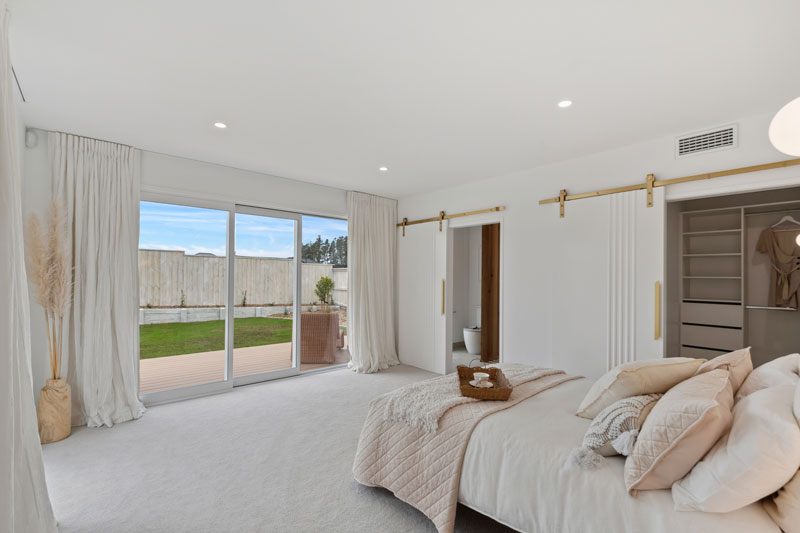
475, 294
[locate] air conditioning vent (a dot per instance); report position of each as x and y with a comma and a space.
707, 141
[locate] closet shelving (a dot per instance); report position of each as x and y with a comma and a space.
712, 285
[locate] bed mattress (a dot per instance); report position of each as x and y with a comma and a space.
515, 472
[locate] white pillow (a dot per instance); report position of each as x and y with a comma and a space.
635, 379
781, 371
757, 457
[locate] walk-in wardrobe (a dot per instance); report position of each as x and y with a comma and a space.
733, 270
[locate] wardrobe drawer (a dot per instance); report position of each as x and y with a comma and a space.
700, 353
712, 314
708, 337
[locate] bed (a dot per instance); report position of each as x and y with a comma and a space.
514, 471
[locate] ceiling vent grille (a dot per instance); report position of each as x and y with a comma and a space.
707, 141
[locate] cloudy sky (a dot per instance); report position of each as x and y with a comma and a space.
196, 230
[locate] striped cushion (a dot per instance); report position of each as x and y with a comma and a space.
626, 415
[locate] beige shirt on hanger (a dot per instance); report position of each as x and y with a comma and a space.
784, 254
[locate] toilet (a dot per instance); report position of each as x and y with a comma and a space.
472, 336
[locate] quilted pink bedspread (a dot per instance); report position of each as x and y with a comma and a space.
424, 468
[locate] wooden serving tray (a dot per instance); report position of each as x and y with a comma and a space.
500, 392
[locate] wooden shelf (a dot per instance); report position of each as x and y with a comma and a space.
712, 277
713, 301
726, 254
712, 232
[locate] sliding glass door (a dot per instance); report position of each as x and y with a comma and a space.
266, 285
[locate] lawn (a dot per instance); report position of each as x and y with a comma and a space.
175, 338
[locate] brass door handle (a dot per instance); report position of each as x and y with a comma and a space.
658, 311
442, 297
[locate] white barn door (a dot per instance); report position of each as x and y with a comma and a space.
608, 256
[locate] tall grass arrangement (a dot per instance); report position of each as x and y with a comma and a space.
47, 265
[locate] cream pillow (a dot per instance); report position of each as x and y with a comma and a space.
781, 371
784, 507
738, 363
634, 379
681, 428
759, 456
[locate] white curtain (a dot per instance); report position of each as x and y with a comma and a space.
24, 503
98, 183
372, 239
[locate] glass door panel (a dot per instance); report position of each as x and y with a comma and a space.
265, 294
182, 296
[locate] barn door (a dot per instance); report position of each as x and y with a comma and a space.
608, 259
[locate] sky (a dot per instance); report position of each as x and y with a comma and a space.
197, 230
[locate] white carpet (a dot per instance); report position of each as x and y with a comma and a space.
270, 457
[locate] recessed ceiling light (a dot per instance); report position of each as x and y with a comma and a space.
565, 103
220, 125
384, 169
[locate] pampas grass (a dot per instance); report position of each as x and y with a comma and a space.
48, 268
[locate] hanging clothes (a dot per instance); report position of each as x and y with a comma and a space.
784, 253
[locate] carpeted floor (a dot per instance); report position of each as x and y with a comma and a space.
269, 457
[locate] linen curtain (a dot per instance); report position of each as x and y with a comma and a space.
24, 502
372, 239
98, 183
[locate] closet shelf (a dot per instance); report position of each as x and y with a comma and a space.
771, 308
712, 277
712, 300
727, 254
713, 232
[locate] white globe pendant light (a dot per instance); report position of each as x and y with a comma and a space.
784, 130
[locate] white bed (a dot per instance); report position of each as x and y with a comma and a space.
514, 471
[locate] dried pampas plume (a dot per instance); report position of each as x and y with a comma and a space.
48, 269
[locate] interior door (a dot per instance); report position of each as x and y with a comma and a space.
607, 261
266, 295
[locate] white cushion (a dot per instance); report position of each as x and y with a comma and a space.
757, 457
635, 379
781, 371
739, 364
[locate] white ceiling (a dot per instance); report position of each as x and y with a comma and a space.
442, 92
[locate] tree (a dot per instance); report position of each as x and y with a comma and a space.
333, 252
324, 288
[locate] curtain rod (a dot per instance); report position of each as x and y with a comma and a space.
442, 216
651, 183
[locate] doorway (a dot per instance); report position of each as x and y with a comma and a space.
475, 294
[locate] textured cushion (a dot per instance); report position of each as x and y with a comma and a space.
780, 371
681, 428
759, 456
633, 379
626, 415
738, 364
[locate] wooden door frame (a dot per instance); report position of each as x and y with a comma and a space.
469, 222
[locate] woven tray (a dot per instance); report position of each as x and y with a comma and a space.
501, 390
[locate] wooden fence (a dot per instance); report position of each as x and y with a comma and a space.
171, 278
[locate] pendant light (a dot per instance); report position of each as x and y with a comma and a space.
784, 130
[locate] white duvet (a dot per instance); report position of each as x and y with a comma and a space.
514, 471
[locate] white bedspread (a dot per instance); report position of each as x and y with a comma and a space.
514, 471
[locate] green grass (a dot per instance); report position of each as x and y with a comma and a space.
175, 338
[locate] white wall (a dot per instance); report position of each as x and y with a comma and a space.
534, 235
164, 174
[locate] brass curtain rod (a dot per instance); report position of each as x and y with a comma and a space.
442, 216
652, 183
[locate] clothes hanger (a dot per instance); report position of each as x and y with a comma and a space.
785, 219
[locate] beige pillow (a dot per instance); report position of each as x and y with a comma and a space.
738, 363
635, 379
681, 428
784, 507
759, 456
781, 371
